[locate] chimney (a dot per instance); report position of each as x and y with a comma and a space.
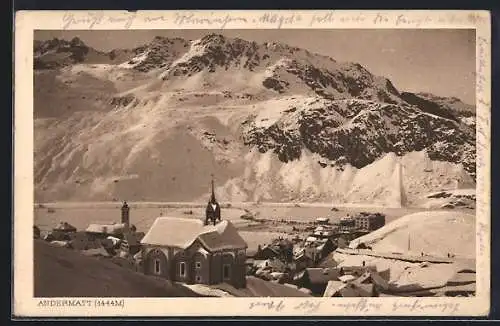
125, 215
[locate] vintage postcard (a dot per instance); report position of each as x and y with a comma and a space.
252, 163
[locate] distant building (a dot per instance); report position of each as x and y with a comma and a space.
316, 279
322, 220
302, 260
369, 222
279, 248
64, 227
101, 231
62, 232
347, 224
267, 252
325, 247
132, 242
322, 232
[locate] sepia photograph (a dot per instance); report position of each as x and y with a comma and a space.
254, 163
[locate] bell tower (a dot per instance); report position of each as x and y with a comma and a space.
212, 213
125, 215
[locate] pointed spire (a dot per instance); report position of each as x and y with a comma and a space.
212, 199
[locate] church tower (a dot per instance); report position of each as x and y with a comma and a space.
125, 215
212, 213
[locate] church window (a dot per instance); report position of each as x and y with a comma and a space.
226, 271
157, 266
182, 269
198, 265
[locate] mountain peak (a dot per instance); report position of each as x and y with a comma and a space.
213, 37
76, 41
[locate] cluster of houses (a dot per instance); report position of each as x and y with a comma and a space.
98, 239
305, 262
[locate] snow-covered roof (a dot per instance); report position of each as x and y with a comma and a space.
346, 278
106, 228
114, 239
347, 218
65, 226
311, 239
182, 232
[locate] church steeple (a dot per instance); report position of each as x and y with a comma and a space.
212, 198
212, 213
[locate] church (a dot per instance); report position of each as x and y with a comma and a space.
195, 251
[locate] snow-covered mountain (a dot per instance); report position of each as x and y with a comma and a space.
271, 121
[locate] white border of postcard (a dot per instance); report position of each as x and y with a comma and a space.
25, 305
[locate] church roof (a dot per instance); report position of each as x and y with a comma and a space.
182, 232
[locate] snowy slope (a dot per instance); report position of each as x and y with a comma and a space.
423, 232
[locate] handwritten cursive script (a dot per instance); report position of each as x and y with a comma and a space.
308, 306
483, 134
418, 305
268, 305
91, 20
196, 19
361, 305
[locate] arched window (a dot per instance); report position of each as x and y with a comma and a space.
182, 269
157, 267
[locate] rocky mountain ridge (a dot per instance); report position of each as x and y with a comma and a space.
237, 101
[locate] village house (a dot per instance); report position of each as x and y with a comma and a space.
268, 251
102, 231
194, 251
279, 248
118, 230
62, 232
132, 242
323, 232
318, 248
316, 279
302, 260
347, 224
322, 220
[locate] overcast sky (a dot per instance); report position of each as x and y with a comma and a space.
436, 61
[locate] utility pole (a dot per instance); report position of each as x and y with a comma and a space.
409, 247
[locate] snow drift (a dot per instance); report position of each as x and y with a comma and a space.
437, 233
